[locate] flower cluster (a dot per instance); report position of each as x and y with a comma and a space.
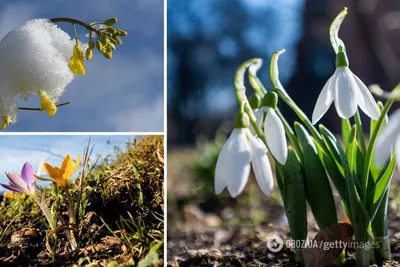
25, 184
315, 160
40, 58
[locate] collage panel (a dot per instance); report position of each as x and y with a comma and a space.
81, 200
283, 133
82, 66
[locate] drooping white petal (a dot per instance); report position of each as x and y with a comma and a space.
220, 180
261, 166
398, 152
345, 93
367, 103
275, 136
387, 138
259, 114
324, 101
238, 162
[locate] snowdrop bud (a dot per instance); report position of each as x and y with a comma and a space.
111, 30
255, 101
241, 120
270, 100
117, 40
89, 54
110, 21
341, 60
99, 46
121, 32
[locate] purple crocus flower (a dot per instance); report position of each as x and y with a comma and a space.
21, 184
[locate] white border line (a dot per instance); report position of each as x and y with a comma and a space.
82, 133
165, 133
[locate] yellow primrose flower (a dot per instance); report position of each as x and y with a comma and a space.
13, 195
76, 61
6, 121
46, 103
61, 176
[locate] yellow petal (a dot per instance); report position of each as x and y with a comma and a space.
67, 160
5, 122
76, 61
47, 104
53, 172
78, 161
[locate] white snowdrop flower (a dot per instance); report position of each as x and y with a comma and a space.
241, 151
273, 128
348, 92
275, 135
259, 115
387, 139
35, 56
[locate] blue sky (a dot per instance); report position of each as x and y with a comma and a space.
122, 94
16, 150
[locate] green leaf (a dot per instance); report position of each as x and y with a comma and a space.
294, 197
374, 197
333, 146
318, 189
351, 148
151, 258
375, 170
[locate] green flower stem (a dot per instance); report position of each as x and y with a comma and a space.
75, 32
302, 116
360, 132
45, 211
40, 109
72, 219
371, 147
75, 21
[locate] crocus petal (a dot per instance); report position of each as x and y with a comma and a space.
51, 171
10, 187
324, 101
222, 166
367, 103
345, 93
387, 139
238, 162
16, 181
42, 178
76, 165
275, 136
27, 174
261, 166
259, 114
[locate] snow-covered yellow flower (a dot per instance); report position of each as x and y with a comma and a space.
46, 103
62, 175
76, 61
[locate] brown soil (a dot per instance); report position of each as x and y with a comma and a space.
205, 230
